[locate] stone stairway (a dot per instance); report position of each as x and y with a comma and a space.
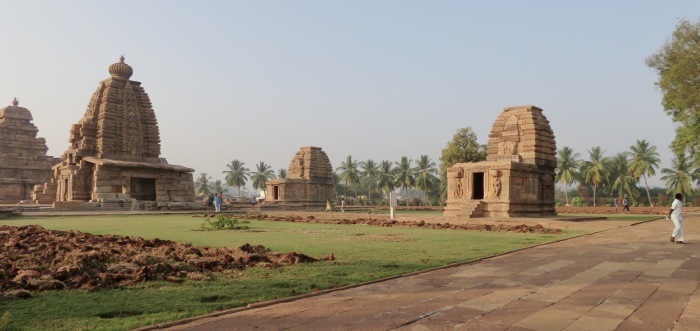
471, 209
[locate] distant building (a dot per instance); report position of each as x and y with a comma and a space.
114, 158
23, 159
309, 183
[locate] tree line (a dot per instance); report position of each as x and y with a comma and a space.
619, 175
237, 176
353, 177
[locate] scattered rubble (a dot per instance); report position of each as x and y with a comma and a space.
36, 259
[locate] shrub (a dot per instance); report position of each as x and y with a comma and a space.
577, 201
225, 223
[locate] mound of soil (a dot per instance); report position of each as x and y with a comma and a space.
33, 258
520, 228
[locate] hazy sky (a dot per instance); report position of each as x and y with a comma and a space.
257, 80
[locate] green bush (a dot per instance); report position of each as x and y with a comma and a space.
577, 201
225, 223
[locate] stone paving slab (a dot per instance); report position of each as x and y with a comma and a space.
629, 278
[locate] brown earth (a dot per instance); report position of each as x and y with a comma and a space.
519, 228
37, 259
611, 210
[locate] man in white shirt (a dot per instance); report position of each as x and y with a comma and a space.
676, 215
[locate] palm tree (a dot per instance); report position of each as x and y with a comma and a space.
236, 175
385, 177
218, 186
679, 179
597, 170
644, 160
261, 176
282, 173
622, 183
348, 172
567, 169
425, 175
404, 175
202, 185
369, 172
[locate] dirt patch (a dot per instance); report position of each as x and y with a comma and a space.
518, 228
37, 259
611, 210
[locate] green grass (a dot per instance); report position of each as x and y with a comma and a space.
362, 253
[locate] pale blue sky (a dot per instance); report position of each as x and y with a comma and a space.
257, 80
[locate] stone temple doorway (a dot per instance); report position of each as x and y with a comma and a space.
478, 185
275, 192
143, 189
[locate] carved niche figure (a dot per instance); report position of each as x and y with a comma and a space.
496, 183
507, 148
459, 189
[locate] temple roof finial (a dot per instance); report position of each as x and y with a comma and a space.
15, 102
121, 70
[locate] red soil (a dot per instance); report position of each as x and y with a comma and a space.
33, 258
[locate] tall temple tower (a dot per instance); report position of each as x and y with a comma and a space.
114, 156
23, 159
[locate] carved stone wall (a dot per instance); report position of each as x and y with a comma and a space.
522, 134
23, 159
114, 154
308, 185
517, 178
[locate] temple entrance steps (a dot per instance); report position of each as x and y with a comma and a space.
471, 209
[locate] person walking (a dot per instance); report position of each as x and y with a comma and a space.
253, 201
342, 205
618, 202
626, 205
328, 205
676, 216
217, 201
210, 202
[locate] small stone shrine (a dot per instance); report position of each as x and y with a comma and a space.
517, 178
23, 159
308, 185
114, 158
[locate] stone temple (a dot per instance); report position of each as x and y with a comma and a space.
517, 178
23, 159
308, 185
114, 157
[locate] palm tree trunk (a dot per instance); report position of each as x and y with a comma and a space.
369, 192
647, 188
566, 193
595, 188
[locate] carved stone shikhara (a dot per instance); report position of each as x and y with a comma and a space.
309, 183
114, 156
517, 178
23, 159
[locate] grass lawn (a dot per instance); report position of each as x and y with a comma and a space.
362, 253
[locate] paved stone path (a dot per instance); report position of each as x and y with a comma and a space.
630, 278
